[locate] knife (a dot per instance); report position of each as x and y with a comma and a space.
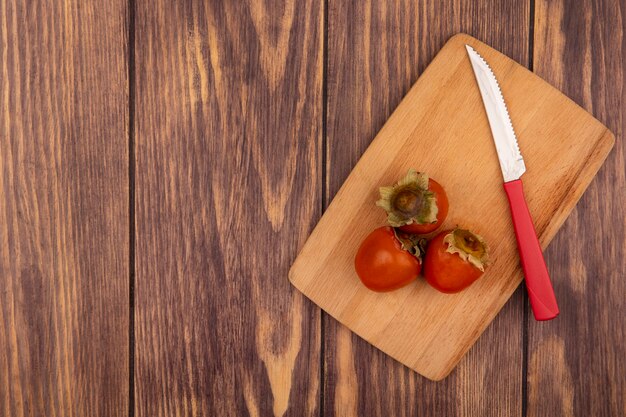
538, 285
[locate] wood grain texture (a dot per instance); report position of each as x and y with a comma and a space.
579, 48
376, 50
63, 209
228, 141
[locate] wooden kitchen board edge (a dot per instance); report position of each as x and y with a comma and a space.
578, 184
572, 204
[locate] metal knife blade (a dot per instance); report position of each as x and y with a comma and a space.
511, 161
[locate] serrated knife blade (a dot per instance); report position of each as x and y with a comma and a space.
540, 291
511, 161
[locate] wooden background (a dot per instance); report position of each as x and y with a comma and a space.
162, 163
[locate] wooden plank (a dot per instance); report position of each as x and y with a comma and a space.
64, 228
376, 50
228, 142
577, 361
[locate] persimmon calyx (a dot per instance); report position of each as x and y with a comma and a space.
409, 201
470, 246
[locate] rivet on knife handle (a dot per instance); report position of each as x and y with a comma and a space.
540, 292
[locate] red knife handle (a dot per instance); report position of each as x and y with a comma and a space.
540, 292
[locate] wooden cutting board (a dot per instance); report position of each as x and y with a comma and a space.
441, 128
